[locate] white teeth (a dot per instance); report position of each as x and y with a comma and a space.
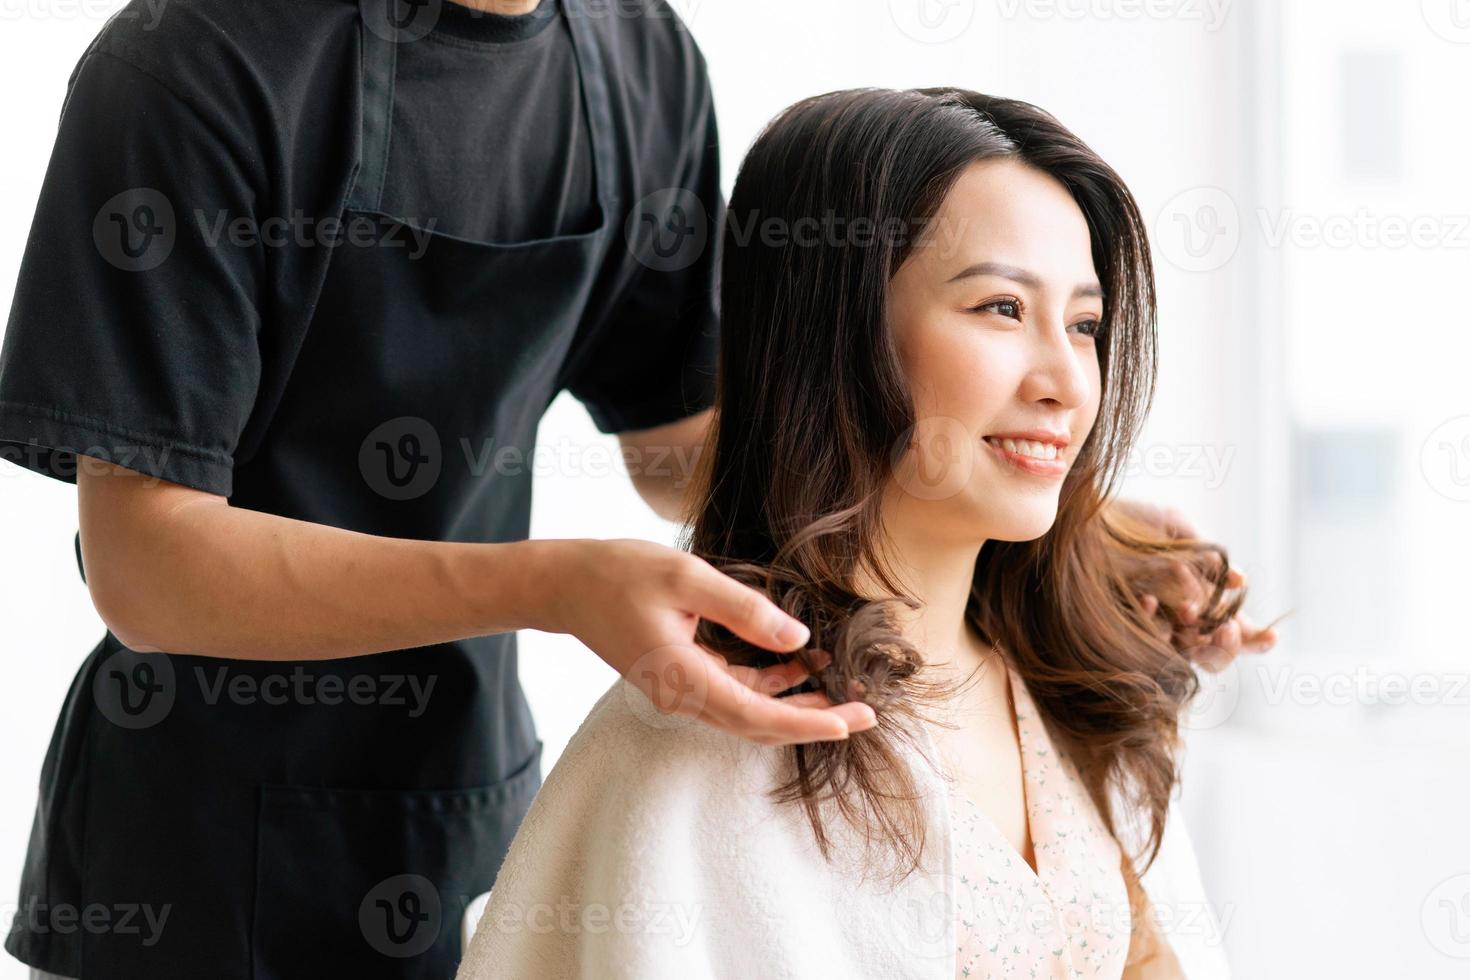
1025, 447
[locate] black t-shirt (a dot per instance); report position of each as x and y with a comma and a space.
247, 109
489, 141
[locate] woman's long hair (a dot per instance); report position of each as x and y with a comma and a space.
813, 414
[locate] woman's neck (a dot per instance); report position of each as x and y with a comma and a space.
941, 577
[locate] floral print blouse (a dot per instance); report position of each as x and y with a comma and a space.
1070, 917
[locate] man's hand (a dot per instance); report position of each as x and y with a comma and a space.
1187, 594
636, 605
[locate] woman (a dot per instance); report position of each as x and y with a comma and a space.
938, 349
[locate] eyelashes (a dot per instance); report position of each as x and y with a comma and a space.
1020, 307
1092, 327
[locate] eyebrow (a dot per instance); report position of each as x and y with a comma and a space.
1025, 278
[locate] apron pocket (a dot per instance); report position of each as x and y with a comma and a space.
373, 883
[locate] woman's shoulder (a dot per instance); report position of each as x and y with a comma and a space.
639, 824
629, 770
656, 847
650, 752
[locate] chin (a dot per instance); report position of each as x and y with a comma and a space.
1022, 523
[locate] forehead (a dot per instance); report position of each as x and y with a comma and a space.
1008, 211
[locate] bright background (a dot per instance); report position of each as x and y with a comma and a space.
1302, 166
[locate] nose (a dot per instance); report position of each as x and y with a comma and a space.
1060, 364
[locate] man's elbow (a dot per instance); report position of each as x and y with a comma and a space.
671, 452
123, 520
119, 613
663, 496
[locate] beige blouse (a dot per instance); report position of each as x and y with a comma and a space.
1069, 918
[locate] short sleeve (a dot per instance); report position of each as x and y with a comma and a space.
134, 331
653, 361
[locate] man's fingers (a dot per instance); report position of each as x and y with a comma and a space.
1192, 594
677, 677
772, 721
741, 711
744, 611
808, 699
686, 679
1227, 637
1257, 640
771, 680
1247, 637
1212, 658
859, 717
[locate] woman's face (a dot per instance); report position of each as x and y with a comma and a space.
994, 315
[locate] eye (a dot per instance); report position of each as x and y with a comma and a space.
1016, 308
1090, 328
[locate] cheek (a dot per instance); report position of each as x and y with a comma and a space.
1095, 387
962, 374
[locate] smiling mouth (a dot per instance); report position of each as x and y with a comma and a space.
1030, 456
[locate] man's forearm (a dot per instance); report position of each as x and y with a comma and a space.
222, 581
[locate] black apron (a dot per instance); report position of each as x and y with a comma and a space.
325, 819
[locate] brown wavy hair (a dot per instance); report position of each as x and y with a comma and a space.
813, 414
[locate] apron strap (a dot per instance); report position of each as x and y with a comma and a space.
379, 67
383, 29
595, 95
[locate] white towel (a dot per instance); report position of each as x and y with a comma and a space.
653, 850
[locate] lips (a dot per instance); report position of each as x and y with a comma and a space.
1039, 452
1055, 437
